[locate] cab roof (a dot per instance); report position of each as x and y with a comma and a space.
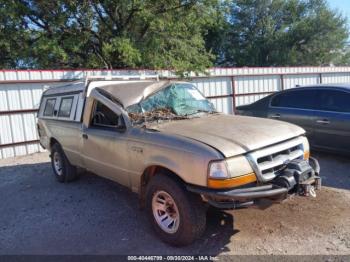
128, 92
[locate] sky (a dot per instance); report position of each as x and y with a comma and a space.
341, 5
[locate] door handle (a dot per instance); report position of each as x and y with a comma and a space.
85, 136
276, 116
323, 121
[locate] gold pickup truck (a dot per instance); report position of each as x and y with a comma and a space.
165, 141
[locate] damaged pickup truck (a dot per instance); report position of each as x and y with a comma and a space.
165, 141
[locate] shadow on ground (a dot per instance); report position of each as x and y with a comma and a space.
96, 216
90, 216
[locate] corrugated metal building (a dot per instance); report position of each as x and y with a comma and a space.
20, 92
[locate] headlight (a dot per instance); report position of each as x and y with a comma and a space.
218, 170
230, 173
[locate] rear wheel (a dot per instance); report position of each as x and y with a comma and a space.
63, 170
177, 216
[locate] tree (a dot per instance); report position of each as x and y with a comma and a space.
12, 39
107, 33
282, 33
185, 35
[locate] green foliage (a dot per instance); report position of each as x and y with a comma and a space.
122, 50
106, 34
13, 38
184, 35
283, 32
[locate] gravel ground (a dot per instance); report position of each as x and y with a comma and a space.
97, 216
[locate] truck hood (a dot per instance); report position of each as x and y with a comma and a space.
232, 135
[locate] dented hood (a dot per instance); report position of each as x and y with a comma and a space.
232, 135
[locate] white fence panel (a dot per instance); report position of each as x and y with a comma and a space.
20, 93
249, 89
332, 78
19, 123
214, 88
290, 81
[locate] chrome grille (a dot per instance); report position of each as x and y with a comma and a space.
268, 162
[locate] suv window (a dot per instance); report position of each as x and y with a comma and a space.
49, 107
65, 107
105, 117
333, 100
295, 99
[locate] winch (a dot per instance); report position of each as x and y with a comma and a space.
300, 176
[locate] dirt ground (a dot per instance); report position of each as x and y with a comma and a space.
97, 216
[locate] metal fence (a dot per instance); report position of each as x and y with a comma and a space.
20, 92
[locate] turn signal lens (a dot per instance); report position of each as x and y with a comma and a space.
306, 155
232, 182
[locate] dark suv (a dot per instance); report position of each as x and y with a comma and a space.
322, 110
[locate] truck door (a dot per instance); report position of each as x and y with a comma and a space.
104, 144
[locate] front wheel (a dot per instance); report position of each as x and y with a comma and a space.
177, 216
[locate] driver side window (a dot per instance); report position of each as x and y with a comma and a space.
103, 117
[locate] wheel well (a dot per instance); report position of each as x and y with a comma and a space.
150, 172
53, 141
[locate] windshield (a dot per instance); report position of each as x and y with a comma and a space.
177, 101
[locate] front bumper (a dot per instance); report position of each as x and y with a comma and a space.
242, 197
298, 177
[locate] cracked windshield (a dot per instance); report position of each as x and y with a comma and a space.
175, 102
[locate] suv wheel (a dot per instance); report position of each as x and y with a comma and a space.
178, 216
63, 170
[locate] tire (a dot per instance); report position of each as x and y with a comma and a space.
62, 169
191, 212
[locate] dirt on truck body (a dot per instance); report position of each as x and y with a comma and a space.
165, 141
